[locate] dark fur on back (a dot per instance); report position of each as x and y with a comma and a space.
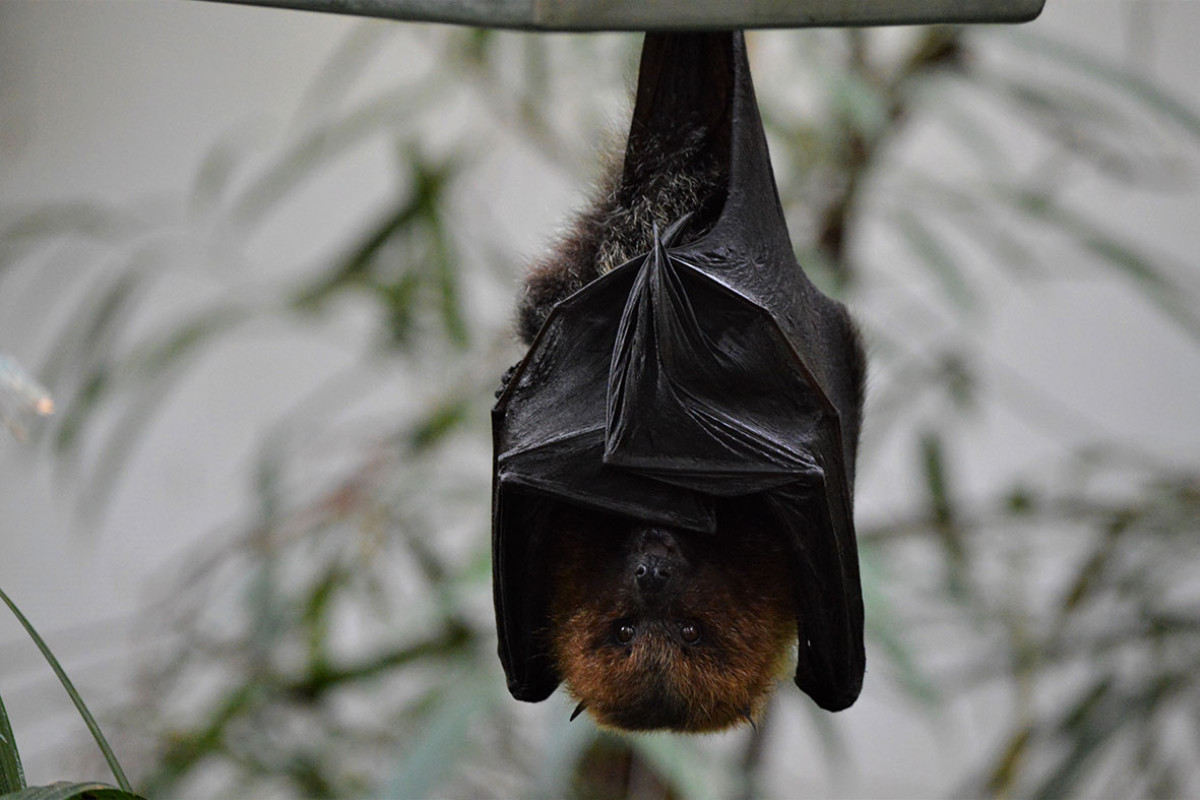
673, 175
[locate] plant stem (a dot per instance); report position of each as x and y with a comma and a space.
109, 756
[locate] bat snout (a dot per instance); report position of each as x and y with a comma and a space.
652, 575
656, 562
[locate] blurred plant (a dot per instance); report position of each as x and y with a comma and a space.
12, 775
340, 641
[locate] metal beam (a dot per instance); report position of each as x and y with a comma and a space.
624, 15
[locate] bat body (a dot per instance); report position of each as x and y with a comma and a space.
674, 458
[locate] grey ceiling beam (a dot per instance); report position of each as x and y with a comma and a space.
624, 15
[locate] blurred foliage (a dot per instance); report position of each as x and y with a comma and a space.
12, 773
339, 641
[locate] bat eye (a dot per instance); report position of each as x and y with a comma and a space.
625, 633
689, 632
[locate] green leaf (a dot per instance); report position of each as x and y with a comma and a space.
184, 339
320, 147
934, 469
860, 102
356, 267
88, 339
12, 775
93, 388
565, 744
682, 766
400, 299
934, 254
430, 758
335, 79
215, 175
64, 790
885, 628
1008, 766
49, 223
1144, 272
1087, 728
976, 136
446, 280
80, 706
1103, 70
430, 185
120, 445
441, 420
154, 368
943, 512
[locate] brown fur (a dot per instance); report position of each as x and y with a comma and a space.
736, 588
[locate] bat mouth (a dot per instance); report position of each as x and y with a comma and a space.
659, 707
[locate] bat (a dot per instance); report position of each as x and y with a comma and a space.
674, 456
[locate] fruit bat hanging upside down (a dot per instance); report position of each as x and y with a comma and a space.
674, 457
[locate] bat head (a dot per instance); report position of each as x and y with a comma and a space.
655, 628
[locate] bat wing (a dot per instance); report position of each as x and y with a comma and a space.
707, 392
548, 446
734, 374
711, 369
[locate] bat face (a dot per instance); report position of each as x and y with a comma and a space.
655, 628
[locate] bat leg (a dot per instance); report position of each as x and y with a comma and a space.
506, 377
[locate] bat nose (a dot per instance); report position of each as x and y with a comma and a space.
656, 562
652, 574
